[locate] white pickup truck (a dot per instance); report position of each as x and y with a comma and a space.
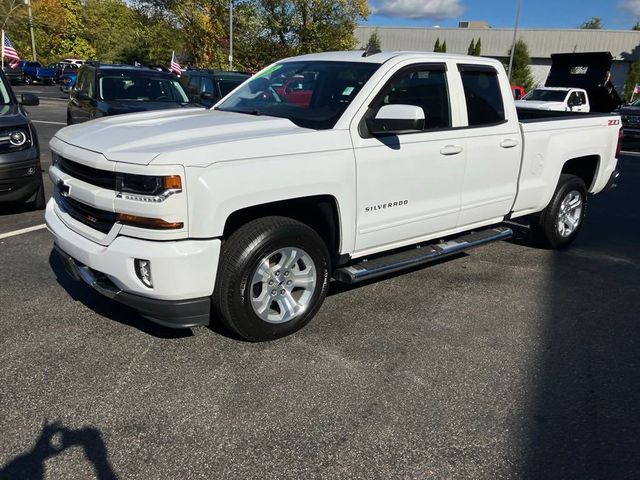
558, 99
364, 165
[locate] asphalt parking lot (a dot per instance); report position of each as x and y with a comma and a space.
509, 362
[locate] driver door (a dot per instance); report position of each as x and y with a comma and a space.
409, 184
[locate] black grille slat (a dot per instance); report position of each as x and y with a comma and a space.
98, 219
94, 176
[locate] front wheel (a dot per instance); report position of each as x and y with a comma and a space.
272, 278
558, 225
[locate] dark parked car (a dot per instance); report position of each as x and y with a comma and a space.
14, 75
631, 123
102, 90
206, 87
68, 81
20, 172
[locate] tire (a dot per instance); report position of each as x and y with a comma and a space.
28, 80
243, 289
69, 119
40, 201
558, 225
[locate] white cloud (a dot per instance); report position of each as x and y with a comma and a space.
422, 9
632, 6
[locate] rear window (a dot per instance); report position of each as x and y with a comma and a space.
483, 96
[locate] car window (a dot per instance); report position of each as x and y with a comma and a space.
583, 97
5, 99
483, 96
542, 95
141, 88
207, 85
227, 86
193, 87
90, 84
327, 90
80, 81
424, 87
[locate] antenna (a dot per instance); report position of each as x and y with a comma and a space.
371, 51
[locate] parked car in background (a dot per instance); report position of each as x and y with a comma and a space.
631, 123
518, 92
62, 68
106, 89
75, 61
35, 72
206, 87
556, 99
68, 81
13, 75
20, 171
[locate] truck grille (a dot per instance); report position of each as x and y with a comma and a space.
98, 219
94, 176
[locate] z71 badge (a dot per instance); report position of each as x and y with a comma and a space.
614, 122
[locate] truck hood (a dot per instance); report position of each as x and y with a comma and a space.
540, 105
140, 137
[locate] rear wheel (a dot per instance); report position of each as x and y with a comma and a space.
558, 225
272, 278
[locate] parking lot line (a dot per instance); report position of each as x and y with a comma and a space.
46, 121
22, 230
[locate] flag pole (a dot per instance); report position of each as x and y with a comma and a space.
3, 49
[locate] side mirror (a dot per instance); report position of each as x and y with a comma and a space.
206, 96
29, 99
82, 95
394, 119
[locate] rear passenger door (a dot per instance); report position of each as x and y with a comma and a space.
493, 145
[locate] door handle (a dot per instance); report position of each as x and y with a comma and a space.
451, 150
509, 143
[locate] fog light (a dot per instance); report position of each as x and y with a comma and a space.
143, 270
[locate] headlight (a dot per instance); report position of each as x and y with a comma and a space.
147, 188
15, 139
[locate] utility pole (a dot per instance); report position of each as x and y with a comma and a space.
230, 34
515, 36
33, 38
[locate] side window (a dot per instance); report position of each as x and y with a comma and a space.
193, 88
207, 85
583, 97
90, 83
424, 87
482, 94
80, 82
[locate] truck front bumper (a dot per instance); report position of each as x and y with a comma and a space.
183, 272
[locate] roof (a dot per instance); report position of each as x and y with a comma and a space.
496, 42
378, 58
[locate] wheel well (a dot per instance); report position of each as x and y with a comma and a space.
583, 167
318, 212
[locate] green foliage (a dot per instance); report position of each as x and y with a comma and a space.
478, 49
472, 48
594, 23
437, 47
443, 47
636, 26
374, 42
632, 80
521, 70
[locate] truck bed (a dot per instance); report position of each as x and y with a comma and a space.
529, 115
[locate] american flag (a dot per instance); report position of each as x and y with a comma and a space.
175, 66
9, 51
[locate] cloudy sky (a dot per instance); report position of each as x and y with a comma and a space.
501, 13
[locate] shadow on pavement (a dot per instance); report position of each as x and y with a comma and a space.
109, 308
585, 415
54, 440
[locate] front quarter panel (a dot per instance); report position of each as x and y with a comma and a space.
218, 190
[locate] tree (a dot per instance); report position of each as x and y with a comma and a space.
521, 69
472, 48
636, 26
436, 46
633, 79
374, 41
478, 49
594, 23
443, 48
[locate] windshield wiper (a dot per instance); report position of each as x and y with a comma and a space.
248, 112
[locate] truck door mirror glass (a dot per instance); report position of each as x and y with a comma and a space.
395, 119
29, 99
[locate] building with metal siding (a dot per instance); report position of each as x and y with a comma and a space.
624, 45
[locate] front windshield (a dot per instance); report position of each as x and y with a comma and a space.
546, 95
310, 94
141, 89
